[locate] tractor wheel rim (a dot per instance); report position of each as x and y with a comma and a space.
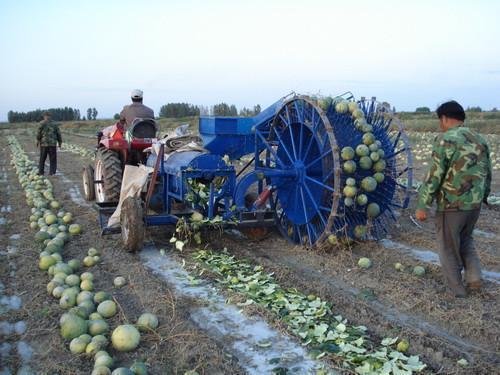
125, 229
86, 184
100, 195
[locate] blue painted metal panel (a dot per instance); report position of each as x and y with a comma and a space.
234, 136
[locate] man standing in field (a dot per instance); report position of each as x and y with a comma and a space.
135, 110
47, 138
459, 179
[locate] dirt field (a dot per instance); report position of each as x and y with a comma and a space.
179, 346
439, 328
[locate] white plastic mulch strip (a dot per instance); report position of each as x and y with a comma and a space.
18, 328
257, 346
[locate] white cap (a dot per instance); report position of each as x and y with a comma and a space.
136, 94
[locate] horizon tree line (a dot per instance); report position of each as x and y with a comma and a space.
169, 110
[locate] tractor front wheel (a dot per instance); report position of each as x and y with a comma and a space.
88, 183
107, 176
132, 223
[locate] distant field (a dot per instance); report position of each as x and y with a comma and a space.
91, 127
484, 122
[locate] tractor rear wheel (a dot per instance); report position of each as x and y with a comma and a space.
132, 223
88, 183
107, 176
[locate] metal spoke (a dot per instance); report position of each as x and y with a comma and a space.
403, 172
266, 144
283, 144
288, 115
314, 204
397, 140
308, 148
284, 120
328, 175
319, 158
300, 140
320, 183
311, 242
292, 142
305, 212
300, 120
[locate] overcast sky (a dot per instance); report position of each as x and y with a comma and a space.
92, 53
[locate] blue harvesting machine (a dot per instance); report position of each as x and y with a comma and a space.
318, 169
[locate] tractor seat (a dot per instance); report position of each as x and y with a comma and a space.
143, 128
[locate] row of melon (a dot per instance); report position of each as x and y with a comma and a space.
76, 149
84, 322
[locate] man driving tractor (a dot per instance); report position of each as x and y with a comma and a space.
135, 110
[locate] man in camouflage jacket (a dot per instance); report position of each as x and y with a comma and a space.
459, 180
47, 138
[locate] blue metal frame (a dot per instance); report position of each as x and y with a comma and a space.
173, 183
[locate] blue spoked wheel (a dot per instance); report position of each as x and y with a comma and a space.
302, 151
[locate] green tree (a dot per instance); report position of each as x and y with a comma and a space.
116, 116
58, 114
94, 113
474, 109
11, 117
233, 111
89, 113
221, 109
246, 112
177, 110
423, 110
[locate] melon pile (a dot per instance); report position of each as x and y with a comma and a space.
87, 313
363, 167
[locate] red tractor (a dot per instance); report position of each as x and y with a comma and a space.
116, 147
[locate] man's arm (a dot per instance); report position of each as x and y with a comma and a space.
123, 115
39, 134
489, 173
58, 135
434, 178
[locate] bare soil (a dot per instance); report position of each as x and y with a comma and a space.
439, 327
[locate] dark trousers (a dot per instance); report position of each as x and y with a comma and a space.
456, 247
52, 152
